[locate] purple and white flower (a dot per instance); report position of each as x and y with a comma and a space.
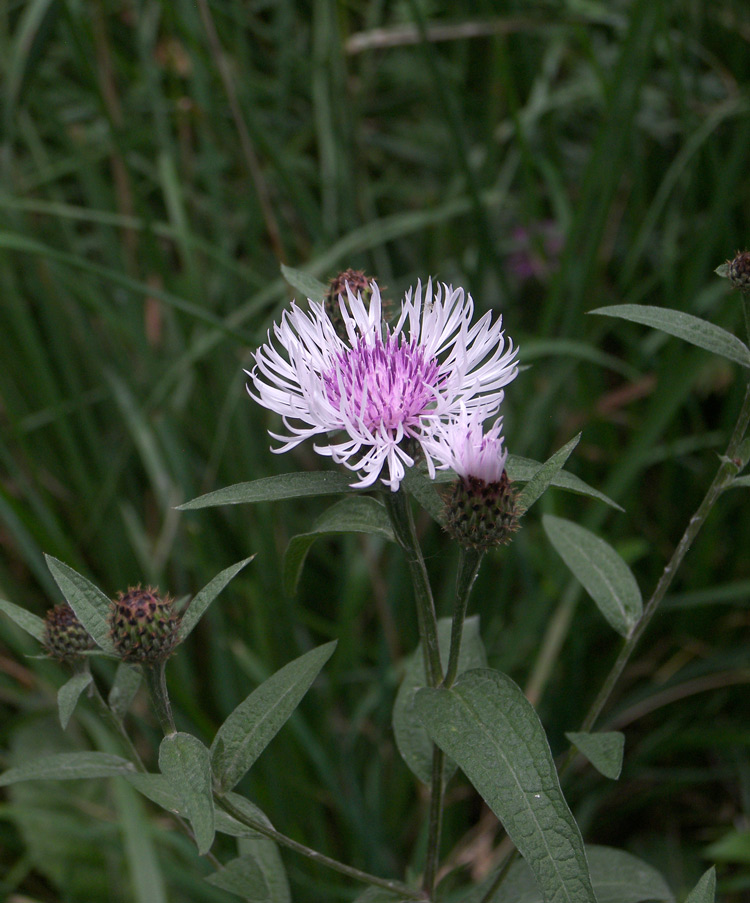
382, 385
463, 445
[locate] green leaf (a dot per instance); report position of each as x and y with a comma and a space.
523, 470
256, 721
419, 485
616, 876
68, 695
274, 489
603, 573
186, 764
486, 724
245, 878
87, 601
722, 270
537, 485
124, 687
732, 847
68, 767
266, 855
412, 739
737, 483
309, 286
684, 326
705, 890
27, 621
380, 895
356, 514
195, 610
604, 750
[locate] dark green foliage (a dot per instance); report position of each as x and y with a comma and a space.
551, 158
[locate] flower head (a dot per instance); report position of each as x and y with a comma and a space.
480, 510
381, 386
143, 625
65, 638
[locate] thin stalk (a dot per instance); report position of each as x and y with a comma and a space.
395, 887
500, 877
727, 471
157, 688
746, 311
399, 511
468, 568
435, 824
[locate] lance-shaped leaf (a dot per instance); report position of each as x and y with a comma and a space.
124, 687
356, 514
310, 287
69, 694
684, 326
486, 724
523, 470
266, 855
616, 876
195, 610
186, 763
541, 480
68, 767
705, 890
87, 601
26, 620
244, 877
604, 750
273, 489
603, 573
256, 721
412, 739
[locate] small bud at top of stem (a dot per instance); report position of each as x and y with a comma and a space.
143, 625
65, 638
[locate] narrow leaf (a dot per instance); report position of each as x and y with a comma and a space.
86, 600
705, 890
206, 596
684, 326
722, 270
274, 489
124, 687
616, 876
186, 764
425, 491
309, 286
603, 573
356, 514
26, 620
143, 863
536, 486
486, 724
244, 877
256, 721
604, 750
380, 895
523, 470
69, 694
412, 739
68, 767
266, 855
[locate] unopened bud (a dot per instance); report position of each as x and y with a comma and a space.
143, 625
481, 515
65, 638
737, 271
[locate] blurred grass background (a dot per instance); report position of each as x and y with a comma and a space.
158, 161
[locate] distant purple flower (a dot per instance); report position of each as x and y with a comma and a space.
464, 446
382, 385
536, 250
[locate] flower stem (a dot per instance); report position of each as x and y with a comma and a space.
468, 568
157, 688
396, 887
402, 520
435, 826
728, 469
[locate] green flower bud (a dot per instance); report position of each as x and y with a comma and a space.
481, 515
739, 271
65, 638
143, 625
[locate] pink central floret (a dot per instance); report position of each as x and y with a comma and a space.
386, 385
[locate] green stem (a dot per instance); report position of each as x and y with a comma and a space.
725, 474
396, 887
399, 511
468, 568
157, 688
435, 824
746, 311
